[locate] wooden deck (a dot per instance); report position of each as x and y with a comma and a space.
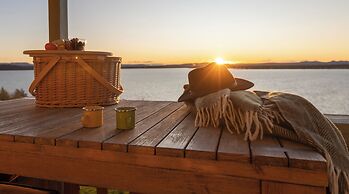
165, 153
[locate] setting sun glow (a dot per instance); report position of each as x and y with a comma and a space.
220, 61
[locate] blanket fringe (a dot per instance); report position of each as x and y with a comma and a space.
253, 123
254, 118
336, 177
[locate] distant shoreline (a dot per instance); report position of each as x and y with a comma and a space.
245, 67
295, 65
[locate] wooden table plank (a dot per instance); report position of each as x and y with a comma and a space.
9, 110
144, 111
224, 168
148, 108
120, 141
233, 147
174, 144
93, 138
48, 136
204, 143
21, 123
302, 156
64, 115
145, 144
22, 114
10, 105
72, 139
138, 178
268, 152
270, 187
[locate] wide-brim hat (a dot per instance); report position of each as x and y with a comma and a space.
209, 79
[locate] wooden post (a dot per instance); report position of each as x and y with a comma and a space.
58, 19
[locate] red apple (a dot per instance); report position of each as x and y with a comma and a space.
50, 46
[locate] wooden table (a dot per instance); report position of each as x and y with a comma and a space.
165, 153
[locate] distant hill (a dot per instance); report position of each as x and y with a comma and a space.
292, 65
16, 66
295, 65
137, 66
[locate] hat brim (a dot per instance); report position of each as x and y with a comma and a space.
241, 84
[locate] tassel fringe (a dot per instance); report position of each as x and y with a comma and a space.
336, 177
253, 123
256, 121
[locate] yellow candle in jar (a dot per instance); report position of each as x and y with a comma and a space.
92, 116
125, 117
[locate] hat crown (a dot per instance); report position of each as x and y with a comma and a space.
209, 79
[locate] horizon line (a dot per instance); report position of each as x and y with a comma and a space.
193, 63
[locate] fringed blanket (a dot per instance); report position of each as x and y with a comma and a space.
285, 115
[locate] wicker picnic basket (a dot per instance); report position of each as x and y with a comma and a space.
75, 78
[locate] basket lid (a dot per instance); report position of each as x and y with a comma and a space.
65, 52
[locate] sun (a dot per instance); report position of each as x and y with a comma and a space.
220, 61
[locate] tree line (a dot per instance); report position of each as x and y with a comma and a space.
18, 93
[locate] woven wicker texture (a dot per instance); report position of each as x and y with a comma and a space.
76, 81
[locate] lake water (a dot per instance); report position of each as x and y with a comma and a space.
326, 89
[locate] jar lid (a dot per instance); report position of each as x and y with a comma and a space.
93, 108
125, 109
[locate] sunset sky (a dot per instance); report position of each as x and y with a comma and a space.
186, 31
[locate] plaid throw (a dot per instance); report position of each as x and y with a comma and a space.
281, 114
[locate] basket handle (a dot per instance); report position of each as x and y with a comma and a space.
43, 73
98, 77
